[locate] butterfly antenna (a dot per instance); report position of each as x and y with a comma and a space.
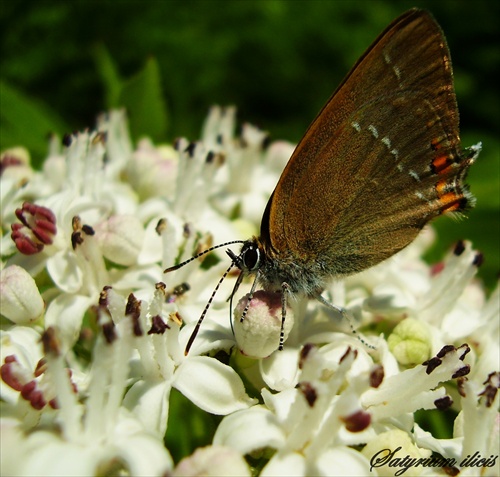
345, 315
189, 260
207, 306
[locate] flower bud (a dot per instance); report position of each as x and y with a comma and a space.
392, 446
20, 299
213, 461
410, 342
258, 335
120, 238
15, 164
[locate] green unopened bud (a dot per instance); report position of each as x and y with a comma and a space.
410, 342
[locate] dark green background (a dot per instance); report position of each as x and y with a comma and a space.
277, 61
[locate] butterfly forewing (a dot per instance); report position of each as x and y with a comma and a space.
377, 141
380, 160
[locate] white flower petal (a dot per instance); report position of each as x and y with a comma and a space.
120, 238
388, 298
151, 245
64, 270
280, 403
149, 402
450, 448
11, 446
280, 371
143, 454
250, 429
142, 278
213, 461
140, 454
408, 402
211, 385
23, 342
215, 333
342, 462
481, 420
461, 322
56, 458
285, 463
120, 197
65, 313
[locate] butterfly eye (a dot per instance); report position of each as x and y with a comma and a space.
251, 257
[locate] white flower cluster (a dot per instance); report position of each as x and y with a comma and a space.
93, 332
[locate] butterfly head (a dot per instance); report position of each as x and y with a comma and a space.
250, 258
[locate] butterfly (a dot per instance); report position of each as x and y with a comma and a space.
381, 160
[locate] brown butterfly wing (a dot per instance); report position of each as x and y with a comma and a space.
379, 161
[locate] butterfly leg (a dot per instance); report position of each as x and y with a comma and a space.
285, 290
250, 297
345, 314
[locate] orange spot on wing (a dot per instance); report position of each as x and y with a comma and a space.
441, 188
441, 163
435, 144
450, 202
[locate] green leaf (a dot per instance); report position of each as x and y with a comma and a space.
479, 226
110, 76
188, 427
26, 122
438, 423
142, 96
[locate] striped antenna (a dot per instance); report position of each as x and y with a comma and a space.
185, 262
207, 306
